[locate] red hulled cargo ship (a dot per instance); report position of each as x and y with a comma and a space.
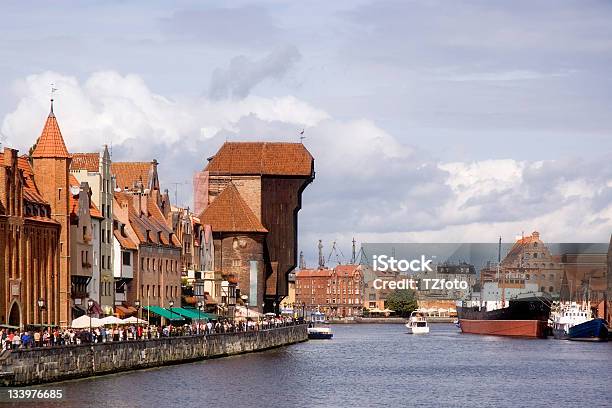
524, 316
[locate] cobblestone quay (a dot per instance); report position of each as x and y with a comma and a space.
33, 366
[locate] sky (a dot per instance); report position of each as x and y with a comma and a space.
429, 121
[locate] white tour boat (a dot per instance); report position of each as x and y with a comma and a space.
417, 323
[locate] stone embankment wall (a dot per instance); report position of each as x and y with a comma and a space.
33, 366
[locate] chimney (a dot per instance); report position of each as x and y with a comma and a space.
137, 198
10, 156
143, 204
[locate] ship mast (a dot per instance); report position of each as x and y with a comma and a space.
501, 275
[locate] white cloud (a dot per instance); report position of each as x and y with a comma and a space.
368, 185
111, 108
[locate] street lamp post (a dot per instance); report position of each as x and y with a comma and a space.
171, 303
90, 304
199, 316
137, 305
41, 308
245, 299
274, 307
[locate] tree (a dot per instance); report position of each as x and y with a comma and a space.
403, 301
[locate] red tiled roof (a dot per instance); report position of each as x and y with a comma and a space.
346, 270
521, 243
313, 273
125, 242
128, 173
94, 211
30, 190
85, 161
262, 158
51, 143
230, 213
158, 232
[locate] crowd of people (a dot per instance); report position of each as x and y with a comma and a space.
48, 337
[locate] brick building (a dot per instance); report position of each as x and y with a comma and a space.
267, 180
238, 238
29, 249
337, 292
51, 164
150, 267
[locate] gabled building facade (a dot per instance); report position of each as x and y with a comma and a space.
269, 178
144, 237
95, 169
84, 268
29, 249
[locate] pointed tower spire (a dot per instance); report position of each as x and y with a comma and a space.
51, 144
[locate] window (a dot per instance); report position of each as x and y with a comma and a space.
103, 263
127, 258
108, 236
103, 235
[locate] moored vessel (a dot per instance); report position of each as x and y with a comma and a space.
591, 330
318, 333
525, 315
566, 316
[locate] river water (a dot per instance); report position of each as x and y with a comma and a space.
371, 366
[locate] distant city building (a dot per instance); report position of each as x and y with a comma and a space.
375, 299
337, 292
289, 302
608, 313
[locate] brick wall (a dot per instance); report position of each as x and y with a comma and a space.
23, 367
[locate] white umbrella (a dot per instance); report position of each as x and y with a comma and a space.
111, 320
85, 322
134, 320
241, 311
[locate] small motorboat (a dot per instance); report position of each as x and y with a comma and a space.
320, 333
417, 323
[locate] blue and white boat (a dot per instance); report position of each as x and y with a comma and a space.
592, 330
575, 322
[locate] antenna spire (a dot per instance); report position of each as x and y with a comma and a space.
53, 89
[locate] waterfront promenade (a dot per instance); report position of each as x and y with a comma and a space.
27, 366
